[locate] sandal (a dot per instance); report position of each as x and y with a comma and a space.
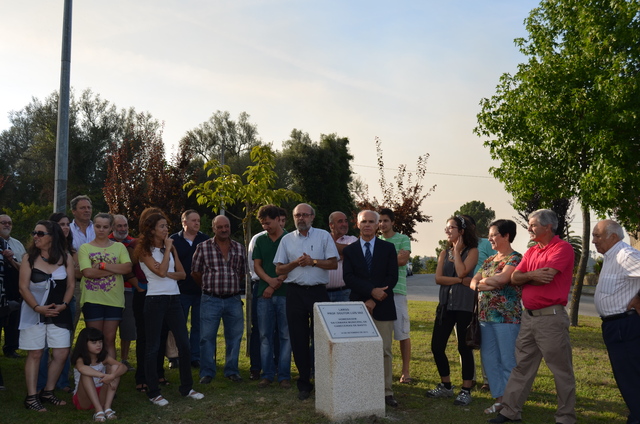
496, 407
33, 403
48, 396
142, 388
99, 417
406, 380
110, 414
163, 381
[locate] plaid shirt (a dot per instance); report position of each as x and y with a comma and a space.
220, 276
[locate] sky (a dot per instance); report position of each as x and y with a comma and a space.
409, 72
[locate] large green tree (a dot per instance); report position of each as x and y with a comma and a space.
481, 213
320, 172
566, 124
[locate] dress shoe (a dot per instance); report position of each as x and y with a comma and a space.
173, 363
502, 419
285, 384
12, 354
235, 378
205, 380
254, 375
303, 395
195, 364
390, 400
265, 382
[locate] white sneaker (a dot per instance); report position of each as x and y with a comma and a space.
195, 395
159, 400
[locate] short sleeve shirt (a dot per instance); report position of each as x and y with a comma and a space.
401, 242
265, 249
502, 305
108, 290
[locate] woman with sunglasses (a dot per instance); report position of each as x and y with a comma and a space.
453, 273
103, 262
46, 285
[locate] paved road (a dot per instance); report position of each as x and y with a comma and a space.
424, 287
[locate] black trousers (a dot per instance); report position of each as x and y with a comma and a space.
442, 331
300, 301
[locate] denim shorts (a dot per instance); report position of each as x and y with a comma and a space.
97, 312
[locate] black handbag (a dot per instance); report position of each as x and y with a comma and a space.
472, 337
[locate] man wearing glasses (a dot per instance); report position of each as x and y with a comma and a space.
12, 251
305, 256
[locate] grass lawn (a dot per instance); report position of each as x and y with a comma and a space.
598, 399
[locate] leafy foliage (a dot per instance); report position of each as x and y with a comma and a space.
320, 172
478, 211
405, 197
24, 219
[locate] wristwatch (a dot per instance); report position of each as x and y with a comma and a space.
315, 262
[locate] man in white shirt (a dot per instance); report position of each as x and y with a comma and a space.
617, 301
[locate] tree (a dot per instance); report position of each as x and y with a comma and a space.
482, 215
221, 135
320, 172
405, 198
256, 190
566, 124
138, 175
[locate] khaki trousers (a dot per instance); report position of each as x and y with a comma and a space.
386, 332
547, 337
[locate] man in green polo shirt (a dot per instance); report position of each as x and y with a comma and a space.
401, 324
271, 300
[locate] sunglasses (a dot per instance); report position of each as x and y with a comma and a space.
39, 233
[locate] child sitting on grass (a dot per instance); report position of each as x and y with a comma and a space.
96, 374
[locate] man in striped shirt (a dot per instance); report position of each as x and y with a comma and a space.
617, 301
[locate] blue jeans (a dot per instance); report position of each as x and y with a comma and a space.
339, 295
158, 311
254, 345
212, 310
192, 301
272, 320
498, 350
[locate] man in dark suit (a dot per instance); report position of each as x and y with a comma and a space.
370, 270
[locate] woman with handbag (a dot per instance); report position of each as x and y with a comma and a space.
453, 274
499, 309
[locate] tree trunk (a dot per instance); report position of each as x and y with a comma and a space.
246, 226
582, 267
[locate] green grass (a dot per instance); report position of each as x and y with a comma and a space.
598, 399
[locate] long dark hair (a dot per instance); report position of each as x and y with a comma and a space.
57, 217
145, 241
80, 350
58, 249
467, 230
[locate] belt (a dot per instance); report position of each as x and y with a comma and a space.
220, 296
625, 314
307, 287
338, 289
549, 310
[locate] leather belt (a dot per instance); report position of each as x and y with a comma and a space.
338, 289
625, 314
220, 296
549, 310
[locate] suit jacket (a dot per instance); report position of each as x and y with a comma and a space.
384, 273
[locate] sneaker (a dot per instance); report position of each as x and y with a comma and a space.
463, 398
195, 395
128, 365
440, 392
159, 400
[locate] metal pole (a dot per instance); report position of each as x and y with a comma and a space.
62, 136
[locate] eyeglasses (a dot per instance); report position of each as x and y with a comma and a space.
448, 228
39, 233
8, 223
302, 215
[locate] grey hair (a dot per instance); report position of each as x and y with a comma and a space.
361, 213
546, 217
612, 227
75, 200
313, 211
333, 215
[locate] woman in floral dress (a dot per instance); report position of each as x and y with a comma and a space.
499, 309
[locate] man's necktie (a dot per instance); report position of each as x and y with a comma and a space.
367, 255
